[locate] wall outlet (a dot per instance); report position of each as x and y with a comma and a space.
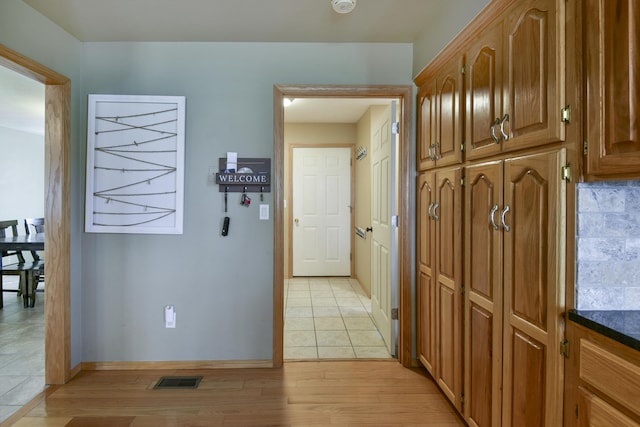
170, 316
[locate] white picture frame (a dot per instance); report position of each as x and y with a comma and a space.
135, 164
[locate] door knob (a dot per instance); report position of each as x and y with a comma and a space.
296, 221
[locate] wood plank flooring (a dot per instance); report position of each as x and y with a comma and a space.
326, 393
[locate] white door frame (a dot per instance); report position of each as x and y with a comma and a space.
290, 197
405, 95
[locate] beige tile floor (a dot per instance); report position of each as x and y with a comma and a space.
21, 351
329, 318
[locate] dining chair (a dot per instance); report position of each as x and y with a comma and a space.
35, 271
15, 261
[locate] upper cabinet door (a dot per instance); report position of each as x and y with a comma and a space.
448, 149
612, 64
426, 125
440, 117
534, 95
483, 79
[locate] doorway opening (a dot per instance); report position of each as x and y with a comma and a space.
283, 271
56, 211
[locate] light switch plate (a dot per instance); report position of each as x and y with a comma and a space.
264, 212
170, 316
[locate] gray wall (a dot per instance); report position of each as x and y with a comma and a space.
452, 17
221, 287
29, 33
608, 246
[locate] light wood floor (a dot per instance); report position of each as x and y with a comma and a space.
326, 393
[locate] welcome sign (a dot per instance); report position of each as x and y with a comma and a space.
253, 176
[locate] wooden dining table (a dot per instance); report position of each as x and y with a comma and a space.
28, 242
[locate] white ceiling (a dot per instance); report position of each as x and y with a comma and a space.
384, 21
392, 21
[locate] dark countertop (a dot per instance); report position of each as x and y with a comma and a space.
620, 325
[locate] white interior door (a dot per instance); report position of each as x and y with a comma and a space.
384, 235
321, 235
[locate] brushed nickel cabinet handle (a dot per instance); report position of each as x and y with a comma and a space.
505, 118
492, 129
502, 218
430, 208
492, 215
435, 211
431, 152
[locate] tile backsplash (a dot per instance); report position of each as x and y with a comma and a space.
608, 258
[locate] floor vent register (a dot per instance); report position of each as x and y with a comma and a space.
178, 382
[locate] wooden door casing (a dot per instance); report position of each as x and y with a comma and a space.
534, 94
533, 290
612, 68
484, 95
448, 217
426, 292
483, 296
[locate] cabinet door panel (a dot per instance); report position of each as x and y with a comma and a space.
449, 120
483, 299
528, 221
533, 283
449, 282
612, 43
484, 94
527, 406
448, 348
479, 381
595, 412
426, 292
426, 323
534, 95
427, 126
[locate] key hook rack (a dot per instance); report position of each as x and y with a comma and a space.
252, 176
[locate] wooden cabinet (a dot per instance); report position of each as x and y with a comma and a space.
499, 339
603, 378
514, 222
440, 130
611, 33
515, 80
440, 279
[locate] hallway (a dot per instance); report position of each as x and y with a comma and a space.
329, 318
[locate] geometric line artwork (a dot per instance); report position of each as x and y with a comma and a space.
135, 164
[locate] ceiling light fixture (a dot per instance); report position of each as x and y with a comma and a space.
343, 6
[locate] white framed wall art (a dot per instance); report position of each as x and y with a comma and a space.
135, 164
